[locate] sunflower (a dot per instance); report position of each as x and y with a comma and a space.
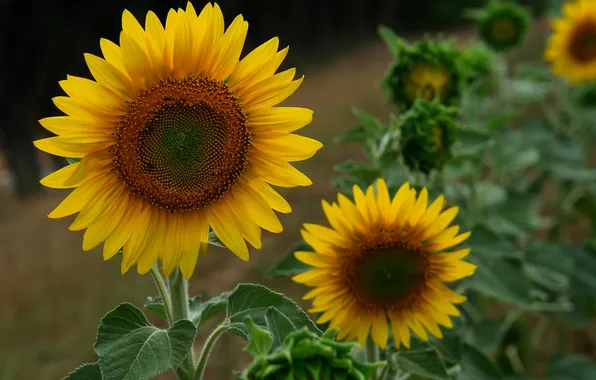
426, 70
177, 136
503, 25
382, 262
572, 47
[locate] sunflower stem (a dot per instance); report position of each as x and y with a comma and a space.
215, 334
163, 291
179, 297
372, 356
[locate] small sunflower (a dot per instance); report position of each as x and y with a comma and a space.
503, 25
572, 47
427, 135
382, 262
425, 70
175, 136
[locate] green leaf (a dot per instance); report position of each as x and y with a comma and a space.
500, 279
571, 367
253, 300
426, 363
279, 325
568, 172
201, 312
156, 306
130, 348
290, 265
214, 240
89, 371
476, 366
259, 340
490, 246
549, 265
393, 42
365, 173
516, 217
371, 125
470, 142
356, 134
490, 194
72, 160
487, 336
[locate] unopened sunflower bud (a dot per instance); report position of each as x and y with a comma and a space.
503, 25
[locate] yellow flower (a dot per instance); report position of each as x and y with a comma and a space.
176, 136
572, 47
383, 261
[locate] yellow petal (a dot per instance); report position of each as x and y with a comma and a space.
277, 172
123, 230
334, 216
56, 179
383, 201
198, 232
446, 257
73, 147
440, 223
253, 204
419, 207
171, 252
228, 233
311, 276
109, 194
279, 119
275, 201
364, 329
109, 76
133, 248
327, 235
380, 329
135, 61
289, 147
398, 200
80, 197
155, 41
102, 227
272, 94
229, 49
246, 69
448, 243
316, 260
112, 53
67, 125
94, 95
131, 26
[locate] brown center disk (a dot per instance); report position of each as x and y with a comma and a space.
582, 44
385, 274
182, 144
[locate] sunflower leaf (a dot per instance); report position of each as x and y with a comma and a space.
214, 240
279, 325
290, 265
476, 366
72, 160
426, 363
156, 306
254, 300
571, 367
89, 371
259, 340
201, 312
129, 347
392, 40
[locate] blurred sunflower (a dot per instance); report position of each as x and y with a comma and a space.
426, 70
572, 47
383, 262
503, 25
176, 136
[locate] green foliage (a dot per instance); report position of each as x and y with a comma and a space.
128, 347
571, 367
289, 265
89, 371
302, 356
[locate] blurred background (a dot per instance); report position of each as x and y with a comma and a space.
52, 293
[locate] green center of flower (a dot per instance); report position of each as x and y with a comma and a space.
503, 30
183, 143
582, 44
436, 135
427, 81
388, 275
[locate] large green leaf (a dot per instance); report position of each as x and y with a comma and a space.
490, 194
130, 348
290, 265
471, 142
201, 312
254, 301
516, 217
156, 306
279, 325
259, 340
426, 363
476, 366
489, 245
89, 371
549, 265
500, 279
571, 367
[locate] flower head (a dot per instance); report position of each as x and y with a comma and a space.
425, 70
427, 135
477, 62
384, 261
572, 47
177, 136
503, 25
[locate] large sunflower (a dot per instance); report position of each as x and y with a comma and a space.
572, 47
382, 262
176, 136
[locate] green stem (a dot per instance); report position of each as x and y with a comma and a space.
384, 372
163, 291
222, 328
179, 297
371, 356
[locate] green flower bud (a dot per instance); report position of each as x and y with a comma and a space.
477, 62
426, 70
305, 356
427, 135
503, 25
